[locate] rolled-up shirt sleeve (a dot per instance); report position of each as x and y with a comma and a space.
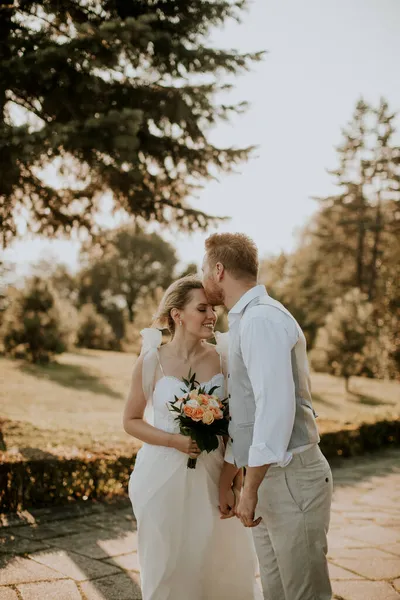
266, 345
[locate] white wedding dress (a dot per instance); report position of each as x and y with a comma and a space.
186, 552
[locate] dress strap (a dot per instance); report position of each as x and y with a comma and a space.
159, 362
220, 362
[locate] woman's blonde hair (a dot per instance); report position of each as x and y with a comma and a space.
176, 296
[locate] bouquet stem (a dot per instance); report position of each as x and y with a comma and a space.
191, 463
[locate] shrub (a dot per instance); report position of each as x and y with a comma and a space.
32, 326
94, 331
340, 344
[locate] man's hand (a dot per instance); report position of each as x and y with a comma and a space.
246, 509
227, 501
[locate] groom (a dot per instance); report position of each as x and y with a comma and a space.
288, 484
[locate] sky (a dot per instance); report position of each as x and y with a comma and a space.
321, 58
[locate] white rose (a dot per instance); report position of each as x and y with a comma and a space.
214, 403
192, 403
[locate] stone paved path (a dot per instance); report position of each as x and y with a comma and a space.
90, 553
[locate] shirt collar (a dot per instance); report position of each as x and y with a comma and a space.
255, 292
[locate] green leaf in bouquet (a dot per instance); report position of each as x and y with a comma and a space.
212, 390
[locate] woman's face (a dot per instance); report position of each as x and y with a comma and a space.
199, 317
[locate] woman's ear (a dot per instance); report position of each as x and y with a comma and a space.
175, 314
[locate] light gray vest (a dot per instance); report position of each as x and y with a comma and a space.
243, 408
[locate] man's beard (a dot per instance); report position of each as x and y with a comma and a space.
215, 295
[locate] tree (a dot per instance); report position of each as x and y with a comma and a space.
340, 344
32, 324
362, 220
114, 95
129, 264
353, 239
190, 269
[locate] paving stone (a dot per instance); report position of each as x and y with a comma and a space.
24, 570
73, 565
336, 541
364, 590
7, 593
34, 532
10, 544
60, 590
125, 586
336, 572
70, 526
392, 548
369, 562
98, 544
373, 534
378, 500
128, 562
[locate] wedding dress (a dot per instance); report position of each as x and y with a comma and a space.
186, 552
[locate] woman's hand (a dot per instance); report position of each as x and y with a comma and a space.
185, 444
227, 502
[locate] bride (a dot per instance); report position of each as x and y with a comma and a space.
185, 549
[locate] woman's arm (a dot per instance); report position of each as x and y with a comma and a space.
136, 426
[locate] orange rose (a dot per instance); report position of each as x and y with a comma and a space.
204, 399
208, 417
193, 395
197, 413
188, 410
217, 413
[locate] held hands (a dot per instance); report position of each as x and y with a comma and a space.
185, 444
245, 510
227, 502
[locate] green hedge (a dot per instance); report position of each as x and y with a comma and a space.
369, 437
50, 482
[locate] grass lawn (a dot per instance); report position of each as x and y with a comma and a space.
76, 404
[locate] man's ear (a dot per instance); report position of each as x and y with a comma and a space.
219, 271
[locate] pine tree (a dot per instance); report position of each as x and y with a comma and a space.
359, 222
117, 95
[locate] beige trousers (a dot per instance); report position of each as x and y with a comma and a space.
291, 540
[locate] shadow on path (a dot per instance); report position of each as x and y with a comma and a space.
93, 545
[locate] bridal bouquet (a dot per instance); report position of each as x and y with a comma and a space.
201, 415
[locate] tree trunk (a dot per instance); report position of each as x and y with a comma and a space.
375, 250
131, 312
6, 9
360, 240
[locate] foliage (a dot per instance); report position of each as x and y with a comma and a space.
190, 269
145, 309
128, 265
57, 480
341, 342
113, 96
32, 325
94, 331
352, 241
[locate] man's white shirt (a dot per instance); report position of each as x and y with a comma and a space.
266, 339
